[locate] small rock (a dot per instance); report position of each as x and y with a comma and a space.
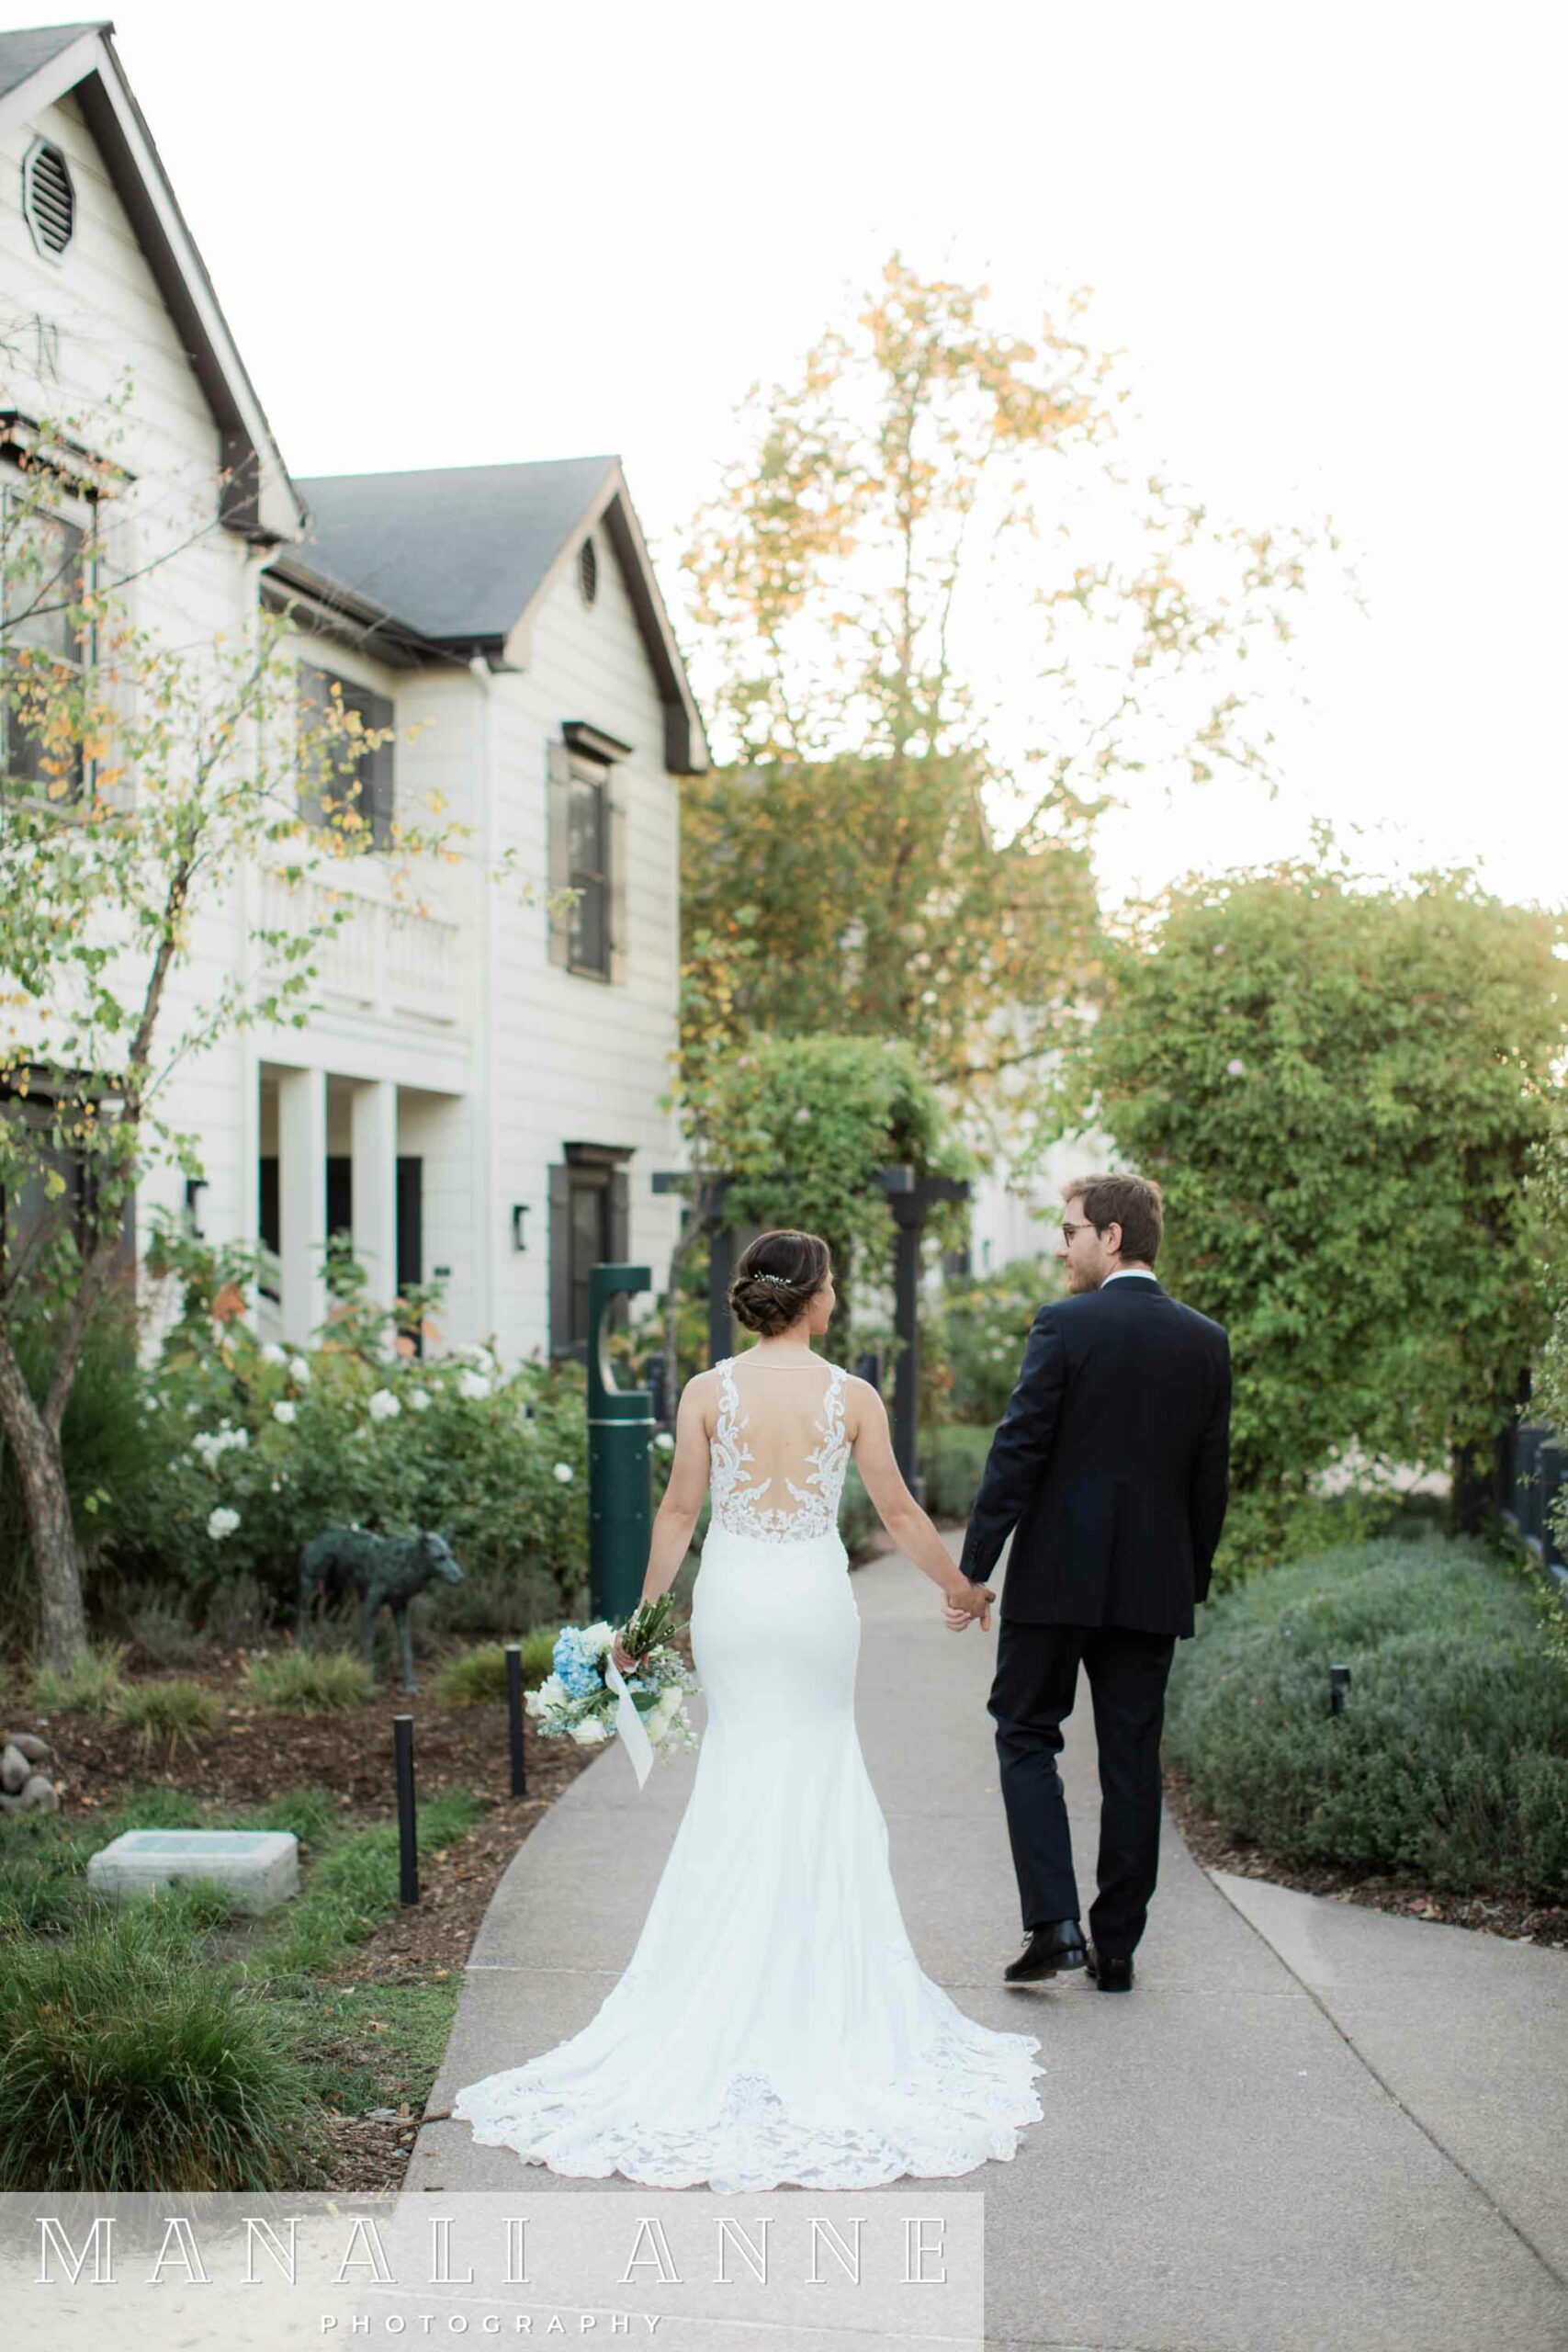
13, 1769
39, 1797
36, 1750
9, 1804
379, 2114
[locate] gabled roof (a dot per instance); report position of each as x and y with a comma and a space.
456, 551
21, 54
38, 66
460, 556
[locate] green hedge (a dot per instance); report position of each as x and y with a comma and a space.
1449, 1762
952, 1461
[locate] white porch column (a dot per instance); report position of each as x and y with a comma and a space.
302, 1199
373, 1141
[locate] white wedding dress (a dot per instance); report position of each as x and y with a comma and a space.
774, 2025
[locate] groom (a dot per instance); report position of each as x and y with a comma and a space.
1111, 1470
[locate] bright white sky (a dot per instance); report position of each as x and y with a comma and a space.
1329, 236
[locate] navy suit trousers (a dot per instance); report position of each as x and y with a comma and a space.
1036, 1682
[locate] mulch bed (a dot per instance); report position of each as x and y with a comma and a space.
251, 1755
1513, 1915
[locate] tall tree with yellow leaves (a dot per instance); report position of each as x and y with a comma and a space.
926, 677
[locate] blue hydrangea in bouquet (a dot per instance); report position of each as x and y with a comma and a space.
578, 1701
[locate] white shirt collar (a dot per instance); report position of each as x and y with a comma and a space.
1130, 1273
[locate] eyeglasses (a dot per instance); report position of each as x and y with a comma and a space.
1071, 1226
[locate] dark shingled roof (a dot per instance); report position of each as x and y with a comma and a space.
22, 53
458, 553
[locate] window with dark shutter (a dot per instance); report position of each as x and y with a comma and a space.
45, 655
588, 852
336, 779
590, 1221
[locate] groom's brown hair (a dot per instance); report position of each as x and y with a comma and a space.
1134, 1203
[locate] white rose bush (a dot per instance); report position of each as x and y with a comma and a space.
250, 1450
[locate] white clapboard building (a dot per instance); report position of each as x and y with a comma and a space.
477, 1098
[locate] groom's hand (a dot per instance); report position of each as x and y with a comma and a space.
970, 1600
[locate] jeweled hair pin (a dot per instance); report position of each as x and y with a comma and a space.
784, 1281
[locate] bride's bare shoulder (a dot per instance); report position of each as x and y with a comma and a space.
700, 1397
862, 1403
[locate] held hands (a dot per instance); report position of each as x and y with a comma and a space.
963, 1601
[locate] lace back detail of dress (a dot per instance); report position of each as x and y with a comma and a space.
738, 1480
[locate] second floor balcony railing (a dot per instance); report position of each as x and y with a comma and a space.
390, 961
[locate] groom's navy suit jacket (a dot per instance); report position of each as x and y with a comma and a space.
1110, 1467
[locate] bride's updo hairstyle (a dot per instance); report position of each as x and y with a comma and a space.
777, 1278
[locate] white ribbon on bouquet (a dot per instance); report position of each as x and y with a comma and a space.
629, 1723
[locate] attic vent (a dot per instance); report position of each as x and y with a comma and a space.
48, 199
588, 571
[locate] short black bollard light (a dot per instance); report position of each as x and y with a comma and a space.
514, 1717
408, 1840
1338, 1688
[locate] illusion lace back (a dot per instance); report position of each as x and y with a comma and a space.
794, 1412
774, 2025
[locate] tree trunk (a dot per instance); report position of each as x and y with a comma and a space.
1470, 1491
57, 1562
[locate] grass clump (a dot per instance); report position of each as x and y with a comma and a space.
478, 1675
127, 2068
171, 2044
93, 1684
1449, 1762
302, 1681
171, 1712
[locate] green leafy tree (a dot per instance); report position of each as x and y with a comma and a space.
1338, 1084
793, 1131
139, 775
898, 844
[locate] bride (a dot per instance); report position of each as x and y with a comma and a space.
774, 2025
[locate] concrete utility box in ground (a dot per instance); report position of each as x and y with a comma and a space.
260, 1868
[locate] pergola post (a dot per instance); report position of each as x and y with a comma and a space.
910, 1197
721, 1254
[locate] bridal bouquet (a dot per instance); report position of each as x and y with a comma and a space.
587, 1698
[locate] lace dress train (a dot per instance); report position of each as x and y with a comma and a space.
774, 2025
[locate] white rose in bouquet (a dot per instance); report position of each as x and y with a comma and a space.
589, 1731
549, 1693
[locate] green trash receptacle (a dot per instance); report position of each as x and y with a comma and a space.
620, 1429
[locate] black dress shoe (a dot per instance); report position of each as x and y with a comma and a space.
1057, 1944
1113, 1972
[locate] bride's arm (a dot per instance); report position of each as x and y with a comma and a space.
899, 1512
676, 1518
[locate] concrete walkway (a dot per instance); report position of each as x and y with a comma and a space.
1310, 2125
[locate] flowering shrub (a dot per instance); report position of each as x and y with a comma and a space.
253, 1449
979, 1332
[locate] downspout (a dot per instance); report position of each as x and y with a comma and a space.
487, 1178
